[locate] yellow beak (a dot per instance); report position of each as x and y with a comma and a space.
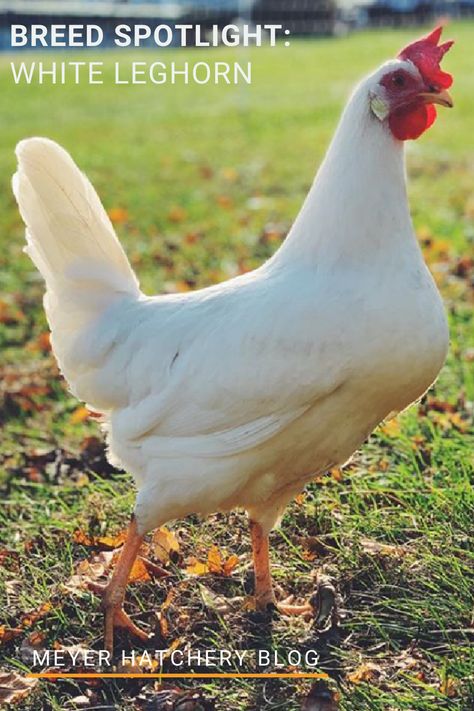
442, 97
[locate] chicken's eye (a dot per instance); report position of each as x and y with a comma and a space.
399, 80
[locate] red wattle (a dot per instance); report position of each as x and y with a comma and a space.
410, 122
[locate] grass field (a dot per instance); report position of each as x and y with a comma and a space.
202, 182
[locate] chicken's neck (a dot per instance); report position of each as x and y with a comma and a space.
357, 207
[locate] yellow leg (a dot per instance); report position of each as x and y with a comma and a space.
264, 595
114, 592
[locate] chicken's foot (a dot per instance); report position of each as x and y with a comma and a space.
114, 592
264, 594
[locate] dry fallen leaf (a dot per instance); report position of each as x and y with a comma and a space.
80, 414
9, 633
195, 567
390, 428
448, 687
118, 215
106, 542
216, 563
139, 572
42, 343
373, 547
164, 545
177, 214
15, 688
31, 617
10, 314
112, 542
225, 201
365, 672
88, 572
206, 171
82, 538
214, 560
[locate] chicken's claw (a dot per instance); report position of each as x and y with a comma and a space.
115, 615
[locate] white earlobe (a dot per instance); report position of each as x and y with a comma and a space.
379, 107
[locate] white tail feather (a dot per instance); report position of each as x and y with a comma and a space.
73, 244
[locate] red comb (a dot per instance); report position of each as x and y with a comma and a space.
426, 54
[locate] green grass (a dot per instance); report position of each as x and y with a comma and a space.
205, 181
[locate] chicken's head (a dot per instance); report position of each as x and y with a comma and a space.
407, 88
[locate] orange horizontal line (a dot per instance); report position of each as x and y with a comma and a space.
269, 675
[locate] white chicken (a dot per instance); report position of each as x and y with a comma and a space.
238, 394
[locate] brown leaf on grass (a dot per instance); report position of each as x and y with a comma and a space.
30, 618
192, 237
372, 547
447, 420
216, 563
82, 538
105, 542
391, 428
24, 389
230, 564
112, 542
9, 633
88, 572
80, 414
205, 171
177, 214
41, 343
314, 547
14, 687
139, 572
196, 567
214, 560
118, 215
219, 564
27, 620
449, 687
336, 474
36, 638
462, 424
10, 314
385, 668
164, 545
225, 201
464, 267
433, 403
368, 671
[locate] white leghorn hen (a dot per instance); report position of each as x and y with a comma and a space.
238, 394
